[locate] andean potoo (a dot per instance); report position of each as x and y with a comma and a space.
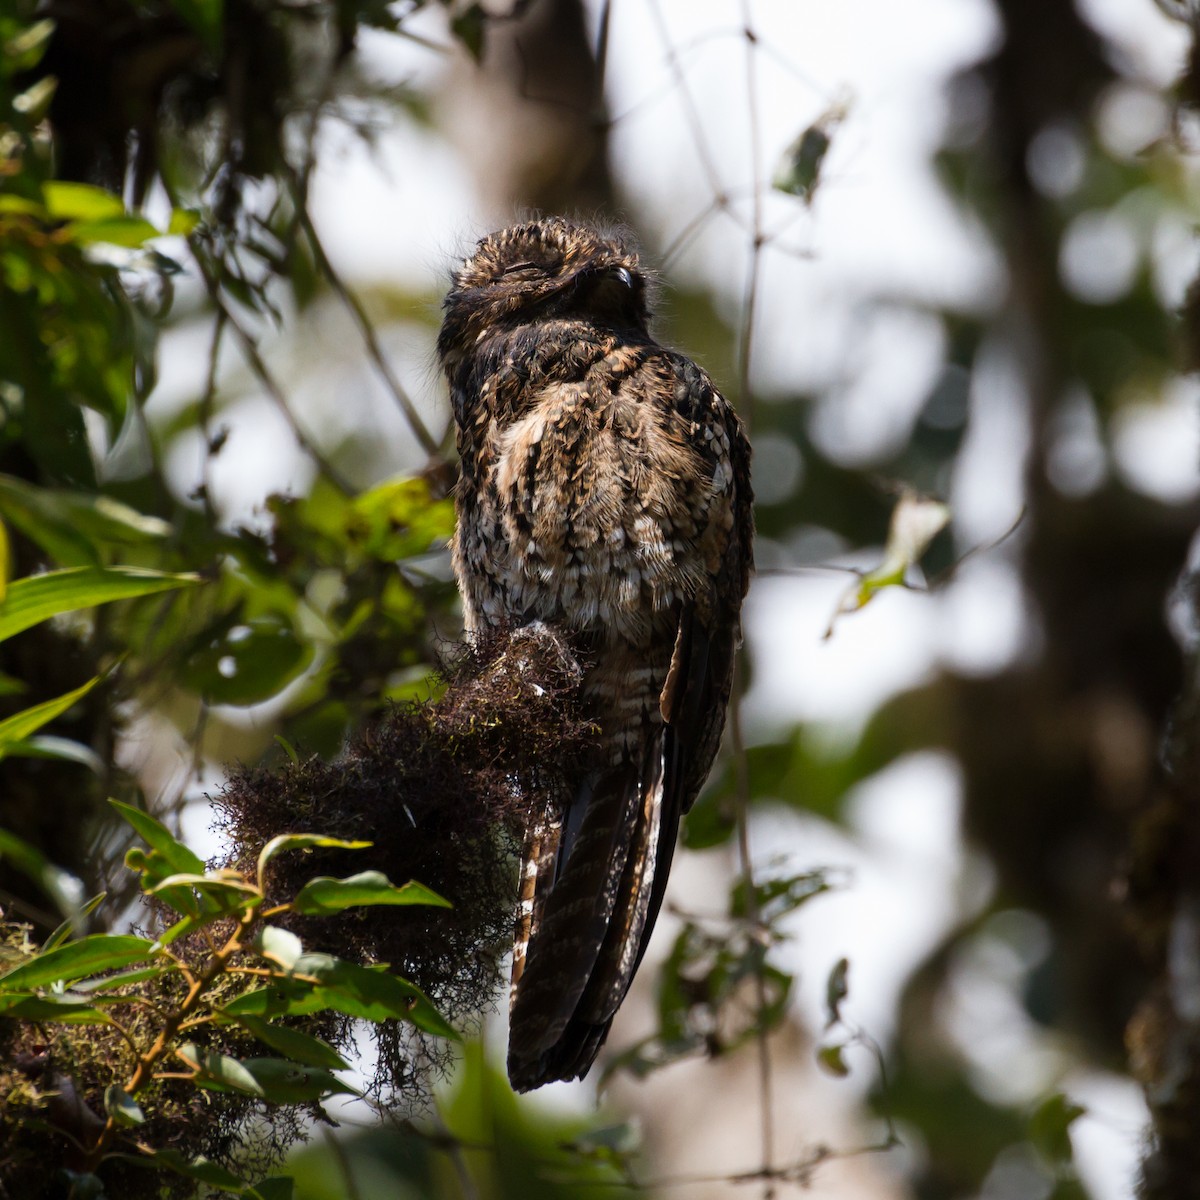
604, 490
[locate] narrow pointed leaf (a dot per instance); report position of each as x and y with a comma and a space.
65, 889
100, 952
158, 837
300, 1047
66, 1010
39, 597
195, 1168
19, 726
106, 983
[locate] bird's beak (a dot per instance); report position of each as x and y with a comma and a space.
623, 274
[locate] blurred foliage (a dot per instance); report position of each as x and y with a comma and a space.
719, 989
487, 1143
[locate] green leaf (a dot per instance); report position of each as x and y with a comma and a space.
206, 17
155, 870
121, 1106
30, 601
183, 221
608, 1143
64, 1009
799, 172
275, 1187
59, 884
279, 945
61, 749
218, 1072
99, 952
916, 521
288, 749
831, 1058
15, 729
199, 1168
779, 895
283, 998
190, 922
223, 891
836, 990
25, 48
158, 837
302, 841
12, 687
22, 205
272, 1079
113, 231
327, 895
469, 28
398, 519
374, 995
80, 202
284, 1082
1049, 1128
74, 923
299, 1046
34, 102
371, 994
109, 983
247, 662
68, 524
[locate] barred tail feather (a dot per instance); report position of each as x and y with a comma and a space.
594, 925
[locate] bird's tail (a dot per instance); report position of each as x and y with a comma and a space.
590, 895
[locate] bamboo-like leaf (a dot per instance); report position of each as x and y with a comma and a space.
39, 597
15, 729
21, 725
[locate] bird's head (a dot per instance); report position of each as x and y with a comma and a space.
544, 269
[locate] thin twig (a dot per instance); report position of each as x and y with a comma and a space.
691, 112
365, 328
258, 366
212, 445
741, 761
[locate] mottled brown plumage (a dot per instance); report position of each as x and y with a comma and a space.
605, 491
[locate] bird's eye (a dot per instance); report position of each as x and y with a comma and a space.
521, 268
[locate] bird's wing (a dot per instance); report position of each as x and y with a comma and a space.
597, 922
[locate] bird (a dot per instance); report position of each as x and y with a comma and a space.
603, 491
